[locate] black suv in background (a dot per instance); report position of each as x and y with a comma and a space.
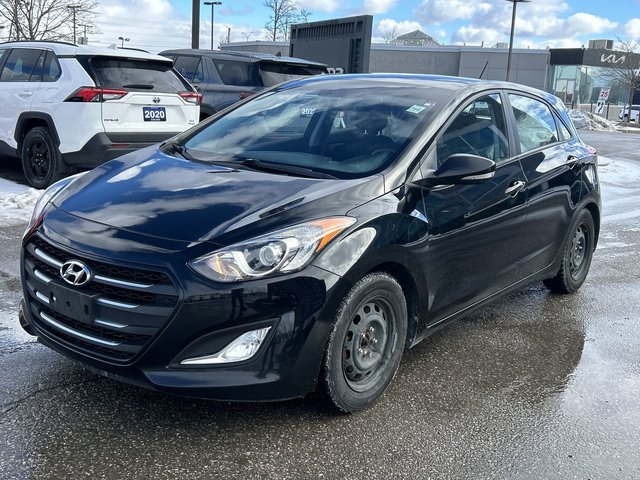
227, 77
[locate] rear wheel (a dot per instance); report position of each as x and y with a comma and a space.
577, 257
366, 344
41, 160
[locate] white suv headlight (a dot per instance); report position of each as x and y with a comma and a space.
282, 251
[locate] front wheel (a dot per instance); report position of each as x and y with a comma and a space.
366, 344
577, 256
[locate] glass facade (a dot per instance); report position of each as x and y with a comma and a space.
581, 84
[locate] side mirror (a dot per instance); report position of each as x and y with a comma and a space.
461, 168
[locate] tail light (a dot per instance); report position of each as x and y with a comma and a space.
191, 97
94, 94
244, 95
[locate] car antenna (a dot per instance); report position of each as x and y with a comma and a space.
483, 69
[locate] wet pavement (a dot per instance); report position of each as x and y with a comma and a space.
536, 386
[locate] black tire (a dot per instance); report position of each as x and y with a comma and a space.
42, 162
576, 258
366, 344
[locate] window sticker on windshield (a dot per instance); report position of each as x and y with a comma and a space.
415, 109
307, 111
338, 122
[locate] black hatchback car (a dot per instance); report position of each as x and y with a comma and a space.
305, 238
225, 77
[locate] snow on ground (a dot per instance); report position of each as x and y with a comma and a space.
618, 171
16, 202
588, 121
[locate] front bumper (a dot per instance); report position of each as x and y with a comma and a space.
205, 317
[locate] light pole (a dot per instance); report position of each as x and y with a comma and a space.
513, 25
213, 4
85, 32
74, 8
123, 39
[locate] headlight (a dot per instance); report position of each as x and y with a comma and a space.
47, 196
282, 251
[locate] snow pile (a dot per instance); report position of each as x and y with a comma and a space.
16, 202
589, 121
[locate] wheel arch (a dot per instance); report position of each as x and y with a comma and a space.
29, 120
410, 289
595, 214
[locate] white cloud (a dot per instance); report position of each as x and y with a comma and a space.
319, 5
632, 29
441, 11
542, 22
476, 36
374, 7
155, 25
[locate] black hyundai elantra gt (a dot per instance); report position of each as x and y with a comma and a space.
304, 238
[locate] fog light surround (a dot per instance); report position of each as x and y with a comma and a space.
242, 348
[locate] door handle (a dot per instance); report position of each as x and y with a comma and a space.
25, 94
514, 188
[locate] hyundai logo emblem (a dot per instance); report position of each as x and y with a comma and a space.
75, 272
156, 99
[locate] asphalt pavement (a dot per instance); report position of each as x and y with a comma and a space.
535, 386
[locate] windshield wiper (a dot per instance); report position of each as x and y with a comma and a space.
278, 167
140, 86
175, 147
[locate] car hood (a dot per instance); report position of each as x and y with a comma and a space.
152, 193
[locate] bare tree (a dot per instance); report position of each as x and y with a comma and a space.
390, 36
303, 16
45, 19
625, 71
282, 14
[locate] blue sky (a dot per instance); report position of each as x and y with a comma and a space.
159, 24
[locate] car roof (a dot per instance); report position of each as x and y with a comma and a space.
444, 82
63, 48
246, 56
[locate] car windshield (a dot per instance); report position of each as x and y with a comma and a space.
343, 129
134, 75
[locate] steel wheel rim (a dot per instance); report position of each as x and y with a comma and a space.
39, 158
578, 253
368, 344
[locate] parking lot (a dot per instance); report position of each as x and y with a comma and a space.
536, 386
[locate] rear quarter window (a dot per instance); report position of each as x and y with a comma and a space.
273, 73
140, 75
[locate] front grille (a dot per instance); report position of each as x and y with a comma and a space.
113, 317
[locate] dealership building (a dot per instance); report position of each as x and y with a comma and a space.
576, 75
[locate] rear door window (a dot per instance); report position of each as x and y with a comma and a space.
237, 73
137, 75
190, 68
20, 65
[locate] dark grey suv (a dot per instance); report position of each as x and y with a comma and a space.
227, 77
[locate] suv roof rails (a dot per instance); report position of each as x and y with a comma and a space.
59, 42
132, 48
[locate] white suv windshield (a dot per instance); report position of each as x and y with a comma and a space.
329, 126
137, 75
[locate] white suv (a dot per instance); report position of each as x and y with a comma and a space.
64, 106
